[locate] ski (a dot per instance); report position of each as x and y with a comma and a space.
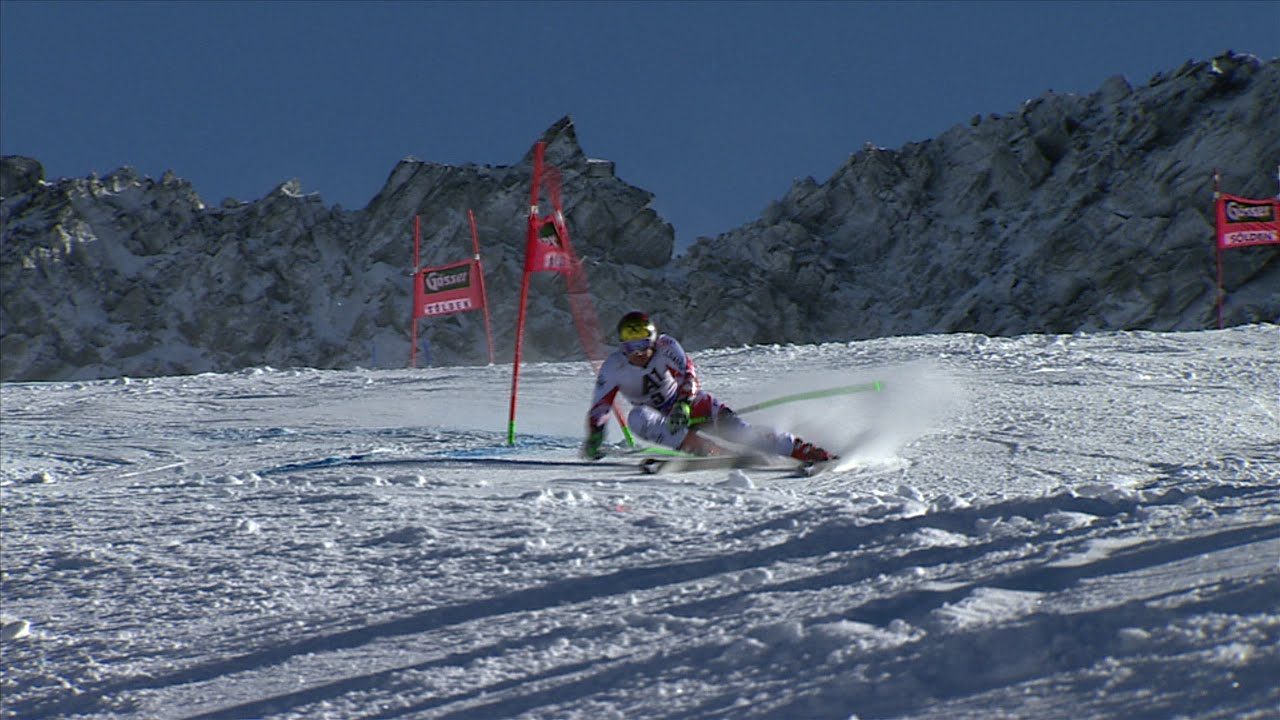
810, 469
666, 465
694, 463
381, 460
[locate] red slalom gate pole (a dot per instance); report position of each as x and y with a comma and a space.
484, 296
531, 237
413, 295
573, 277
515, 363
1217, 246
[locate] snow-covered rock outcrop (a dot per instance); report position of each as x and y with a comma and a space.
1071, 213
126, 275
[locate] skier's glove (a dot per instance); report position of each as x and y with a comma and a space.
591, 449
678, 418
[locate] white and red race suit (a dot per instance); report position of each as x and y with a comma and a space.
668, 378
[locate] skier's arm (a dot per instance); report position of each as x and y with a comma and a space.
682, 370
601, 403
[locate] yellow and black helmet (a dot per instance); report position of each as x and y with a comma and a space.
636, 332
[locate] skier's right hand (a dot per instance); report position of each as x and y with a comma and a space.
591, 447
678, 418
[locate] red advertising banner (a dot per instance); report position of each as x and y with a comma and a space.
546, 250
448, 289
1243, 222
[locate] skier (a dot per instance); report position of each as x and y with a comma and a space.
652, 371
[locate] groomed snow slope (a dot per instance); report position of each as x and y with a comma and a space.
1081, 526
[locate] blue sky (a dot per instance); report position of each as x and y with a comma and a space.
715, 107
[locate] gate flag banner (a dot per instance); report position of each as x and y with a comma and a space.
447, 289
1243, 222
546, 250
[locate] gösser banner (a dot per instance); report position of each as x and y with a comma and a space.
1243, 222
447, 289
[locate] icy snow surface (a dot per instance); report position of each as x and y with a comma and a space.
1083, 526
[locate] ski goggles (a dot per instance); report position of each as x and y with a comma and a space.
630, 347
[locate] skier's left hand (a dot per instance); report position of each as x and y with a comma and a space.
591, 449
678, 418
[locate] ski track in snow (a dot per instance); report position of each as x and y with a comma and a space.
1083, 526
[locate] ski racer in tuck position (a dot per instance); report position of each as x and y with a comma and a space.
654, 373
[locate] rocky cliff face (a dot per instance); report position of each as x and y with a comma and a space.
1072, 213
126, 275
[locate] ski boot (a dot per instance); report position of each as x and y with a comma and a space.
807, 452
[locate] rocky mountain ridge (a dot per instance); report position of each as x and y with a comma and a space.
1071, 213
